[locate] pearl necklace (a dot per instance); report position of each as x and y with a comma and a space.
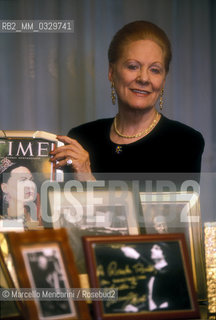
142, 133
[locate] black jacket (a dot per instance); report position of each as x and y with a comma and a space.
170, 147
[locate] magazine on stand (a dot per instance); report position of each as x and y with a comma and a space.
24, 167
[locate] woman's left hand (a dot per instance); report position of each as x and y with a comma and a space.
72, 150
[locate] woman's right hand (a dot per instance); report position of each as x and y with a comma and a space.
72, 150
130, 252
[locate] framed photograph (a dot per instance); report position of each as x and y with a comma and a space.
8, 262
24, 166
8, 309
43, 259
98, 212
175, 213
151, 273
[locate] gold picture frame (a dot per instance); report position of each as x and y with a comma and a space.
9, 310
174, 212
24, 165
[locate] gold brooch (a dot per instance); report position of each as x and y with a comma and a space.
118, 149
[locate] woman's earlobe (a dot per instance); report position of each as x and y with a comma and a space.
4, 187
110, 73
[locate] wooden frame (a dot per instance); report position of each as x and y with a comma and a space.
115, 213
177, 212
32, 272
111, 264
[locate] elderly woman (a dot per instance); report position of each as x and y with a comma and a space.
139, 138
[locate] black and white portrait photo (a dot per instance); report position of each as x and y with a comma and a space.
46, 271
161, 290
145, 275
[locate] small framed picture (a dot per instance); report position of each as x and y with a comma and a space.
151, 273
43, 260
92, 211
24, 166
8, 309
174, 213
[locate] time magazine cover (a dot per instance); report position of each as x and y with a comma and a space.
24, 166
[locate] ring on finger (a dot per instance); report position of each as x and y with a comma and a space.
69, 162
